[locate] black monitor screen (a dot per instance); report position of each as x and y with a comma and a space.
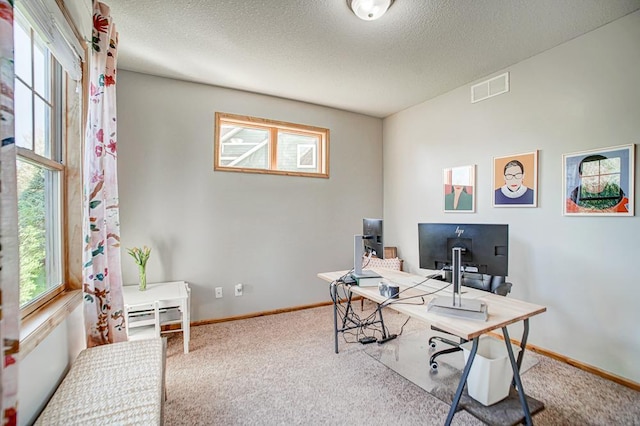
372, 237
486, 246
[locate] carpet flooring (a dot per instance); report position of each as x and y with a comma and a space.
282, 370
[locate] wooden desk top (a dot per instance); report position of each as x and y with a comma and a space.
502, 310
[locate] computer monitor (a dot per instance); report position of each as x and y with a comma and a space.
486, 246
479, 248
372, 237
370, 242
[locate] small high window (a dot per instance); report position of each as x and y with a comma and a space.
257, 145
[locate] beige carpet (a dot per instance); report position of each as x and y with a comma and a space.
282, 370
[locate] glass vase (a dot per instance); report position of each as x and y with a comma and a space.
142, 278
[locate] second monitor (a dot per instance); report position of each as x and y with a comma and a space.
371, 242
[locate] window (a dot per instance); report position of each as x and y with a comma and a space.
600, 182
257, 145
38, 134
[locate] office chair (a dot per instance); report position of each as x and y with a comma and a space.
490, 283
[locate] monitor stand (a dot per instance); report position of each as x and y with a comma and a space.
358, 252
458, 307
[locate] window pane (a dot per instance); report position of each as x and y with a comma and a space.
41, 70
244, 147
297, 152
259, 145
23, 115
591, 168
610, 165
22, 52
42, 145
38, 190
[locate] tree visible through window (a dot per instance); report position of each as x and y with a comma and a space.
38, 124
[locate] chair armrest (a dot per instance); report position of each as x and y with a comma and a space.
501, 289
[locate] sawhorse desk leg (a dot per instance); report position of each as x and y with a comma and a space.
334, 297
344, 327
463, 381
515, 366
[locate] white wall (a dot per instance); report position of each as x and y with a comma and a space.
581, 95
271, 233
42, 370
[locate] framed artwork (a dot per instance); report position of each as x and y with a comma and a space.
599, 182
460, 189
515, 180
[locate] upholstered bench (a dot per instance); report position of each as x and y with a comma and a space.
120, 383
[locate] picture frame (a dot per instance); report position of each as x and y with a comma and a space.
515, 180
599, 182
459, 189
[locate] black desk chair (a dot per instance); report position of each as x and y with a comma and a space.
490, 283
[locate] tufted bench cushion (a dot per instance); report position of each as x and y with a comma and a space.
121, 383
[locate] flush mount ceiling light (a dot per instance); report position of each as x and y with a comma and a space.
369, 10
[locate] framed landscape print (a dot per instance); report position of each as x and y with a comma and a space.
459, 189
599, 182
515, 180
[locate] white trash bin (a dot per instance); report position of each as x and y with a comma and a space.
490, 377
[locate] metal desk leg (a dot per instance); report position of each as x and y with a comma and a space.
516, 377
523, 342
334, 296
523, 346
463, 381
384, 330
348, 310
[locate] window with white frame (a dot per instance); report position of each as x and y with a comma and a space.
258, 145
39, 113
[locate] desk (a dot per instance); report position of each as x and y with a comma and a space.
171, 296
503, 311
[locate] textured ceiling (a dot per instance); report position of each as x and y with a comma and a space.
317, 51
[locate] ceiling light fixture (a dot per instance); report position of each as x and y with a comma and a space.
369, 10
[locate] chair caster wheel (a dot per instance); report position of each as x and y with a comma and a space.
434, 367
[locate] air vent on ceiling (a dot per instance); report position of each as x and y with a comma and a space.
487, 89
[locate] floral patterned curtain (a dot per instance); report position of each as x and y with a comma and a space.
9, 253
102, 275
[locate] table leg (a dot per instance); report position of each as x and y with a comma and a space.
334, 296
384, 330
348, 310
523, 342
516, 378
186, 320
463, 381
186, 335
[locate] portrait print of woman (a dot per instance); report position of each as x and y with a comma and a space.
599, 182
459, 188
515, 180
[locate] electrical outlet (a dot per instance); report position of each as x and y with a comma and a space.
238, 289
218, 292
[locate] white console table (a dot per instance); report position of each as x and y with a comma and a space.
173, 297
